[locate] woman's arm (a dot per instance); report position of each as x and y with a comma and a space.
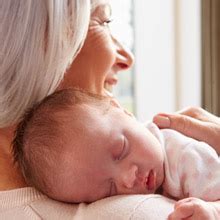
193, 122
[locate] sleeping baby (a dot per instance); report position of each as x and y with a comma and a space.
75, 146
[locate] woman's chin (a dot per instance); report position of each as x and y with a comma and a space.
108, 87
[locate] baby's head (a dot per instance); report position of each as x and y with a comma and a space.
78, 147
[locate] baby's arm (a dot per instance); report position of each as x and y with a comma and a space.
199, 177
195, 209
192, 168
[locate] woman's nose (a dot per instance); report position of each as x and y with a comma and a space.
124, 57
128, 177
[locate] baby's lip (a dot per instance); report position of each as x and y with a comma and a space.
151, 181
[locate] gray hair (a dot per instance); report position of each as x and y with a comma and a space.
38, 41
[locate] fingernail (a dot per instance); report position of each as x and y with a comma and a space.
162, 121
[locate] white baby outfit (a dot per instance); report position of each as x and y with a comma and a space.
192, 168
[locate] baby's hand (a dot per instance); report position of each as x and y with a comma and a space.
194, 209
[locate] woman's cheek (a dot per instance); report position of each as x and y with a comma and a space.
101, 41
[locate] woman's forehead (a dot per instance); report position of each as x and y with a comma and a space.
96, 3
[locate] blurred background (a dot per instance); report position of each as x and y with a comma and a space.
175, 43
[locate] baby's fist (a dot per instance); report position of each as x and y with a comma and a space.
194, 209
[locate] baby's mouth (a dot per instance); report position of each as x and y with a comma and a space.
151, 181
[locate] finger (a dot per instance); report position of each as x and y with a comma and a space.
186, 125
200, 114
182, 201
191, 111
181, 123
170, 217
185, 210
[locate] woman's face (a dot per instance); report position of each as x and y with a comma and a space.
100, 58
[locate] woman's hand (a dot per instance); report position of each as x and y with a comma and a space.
194, 122
194, 209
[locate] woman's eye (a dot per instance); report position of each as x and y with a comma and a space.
107, 22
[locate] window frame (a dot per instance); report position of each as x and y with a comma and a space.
211, 55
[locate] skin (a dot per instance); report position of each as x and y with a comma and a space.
194, 122
100, 56
197, 123
10, 174
104, 166
114, 155
195, 209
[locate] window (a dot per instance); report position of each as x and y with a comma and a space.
122, 28
165, 37
211, 55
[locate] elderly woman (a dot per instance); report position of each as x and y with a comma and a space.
39, 39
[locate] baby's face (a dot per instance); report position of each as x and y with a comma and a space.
112, 155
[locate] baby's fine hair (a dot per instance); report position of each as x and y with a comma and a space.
40, 136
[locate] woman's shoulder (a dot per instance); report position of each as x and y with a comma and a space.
123, 207
28, 203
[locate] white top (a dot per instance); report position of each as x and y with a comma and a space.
192, 168
29, 204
